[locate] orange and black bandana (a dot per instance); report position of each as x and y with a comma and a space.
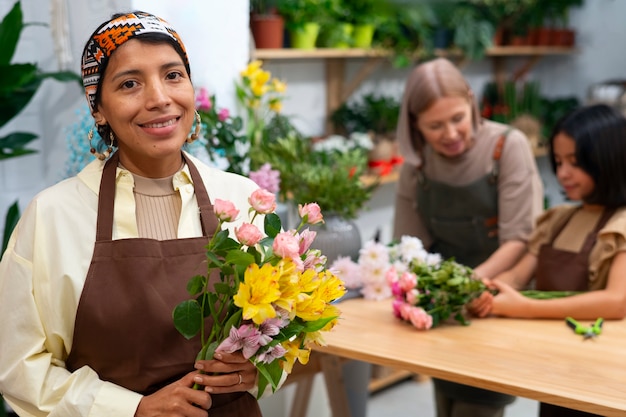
109, 36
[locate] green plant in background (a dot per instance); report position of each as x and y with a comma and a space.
406, 30
297, 13
473, 33
372, 113
330, 178
18, 84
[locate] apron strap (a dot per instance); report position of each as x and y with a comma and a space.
106, 200
497, 154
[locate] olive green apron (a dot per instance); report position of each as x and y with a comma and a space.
559, 270
463, 223
124, 328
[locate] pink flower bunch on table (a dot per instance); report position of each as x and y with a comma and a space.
426, 289
274, 297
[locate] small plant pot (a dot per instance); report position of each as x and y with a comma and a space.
267, 30
338, 35
362, 36
305, 37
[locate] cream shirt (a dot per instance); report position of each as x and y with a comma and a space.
41, 279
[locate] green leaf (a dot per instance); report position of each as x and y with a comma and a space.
196, 284
269, 373
233, 321
222, 288
240, 258
10, 30
207, 351
12, 217
313, 326
188, 318
272, 224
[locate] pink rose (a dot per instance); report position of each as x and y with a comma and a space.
286, 245
262, 201
248, 234
225, 210
223, 115
311, 213
408, 281
420, 318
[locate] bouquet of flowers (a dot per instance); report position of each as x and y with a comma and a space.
426, 289
273, 296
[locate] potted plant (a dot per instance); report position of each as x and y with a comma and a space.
266, 24
330, 177
376, 115
406, 30
302, 20
365, 15
336, 28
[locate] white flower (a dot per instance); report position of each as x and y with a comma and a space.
374, 273
374, 254
362, 140
433, 259
411, 248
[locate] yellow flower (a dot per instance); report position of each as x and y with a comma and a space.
252, 68
330, 287
294, 353
288, 284
310, 307
276, 106
278, 85
330, 311
314, 337
257, 293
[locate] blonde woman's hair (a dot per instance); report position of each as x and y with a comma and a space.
426, 84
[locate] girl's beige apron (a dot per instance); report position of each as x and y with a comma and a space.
559, 270
124, 328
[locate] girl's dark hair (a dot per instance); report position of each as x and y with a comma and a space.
599, 134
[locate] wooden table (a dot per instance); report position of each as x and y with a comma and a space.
539, 359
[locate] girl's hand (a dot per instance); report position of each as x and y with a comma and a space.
226, 372
509, 302
178, 399
482, 305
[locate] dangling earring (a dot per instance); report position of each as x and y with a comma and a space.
196, 133
104, 155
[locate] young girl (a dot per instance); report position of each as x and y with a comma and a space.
575, 247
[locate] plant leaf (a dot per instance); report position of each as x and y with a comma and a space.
272, 224
10, 30
188, 318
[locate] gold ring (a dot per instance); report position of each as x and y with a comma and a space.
240, 378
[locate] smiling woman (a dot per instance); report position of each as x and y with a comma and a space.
98, 262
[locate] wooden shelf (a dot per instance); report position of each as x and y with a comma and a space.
323, 53
339, 90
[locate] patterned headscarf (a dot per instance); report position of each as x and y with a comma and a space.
110, 35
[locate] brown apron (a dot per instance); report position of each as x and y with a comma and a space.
124, 328
463, 222
553, 265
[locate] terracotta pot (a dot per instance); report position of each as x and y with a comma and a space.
267, 30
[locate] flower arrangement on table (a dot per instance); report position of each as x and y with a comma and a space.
274, 294
426, 289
